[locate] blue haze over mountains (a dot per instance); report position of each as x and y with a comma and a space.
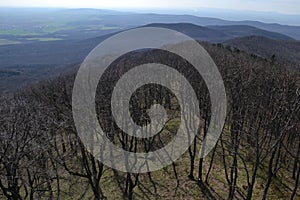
48, 40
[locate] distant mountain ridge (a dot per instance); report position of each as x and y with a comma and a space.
68, 51
197, 32
142, 19
81, 24
32, 61
286, 51
246, 30
219, 33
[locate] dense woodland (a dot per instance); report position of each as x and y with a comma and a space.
256, 157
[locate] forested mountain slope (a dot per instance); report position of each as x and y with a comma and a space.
257, 156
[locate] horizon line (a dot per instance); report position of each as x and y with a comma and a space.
152, 9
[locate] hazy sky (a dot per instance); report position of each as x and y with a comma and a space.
281, 6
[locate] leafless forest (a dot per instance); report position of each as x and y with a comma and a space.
257, 156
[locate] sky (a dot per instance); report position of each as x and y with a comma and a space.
279, 6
